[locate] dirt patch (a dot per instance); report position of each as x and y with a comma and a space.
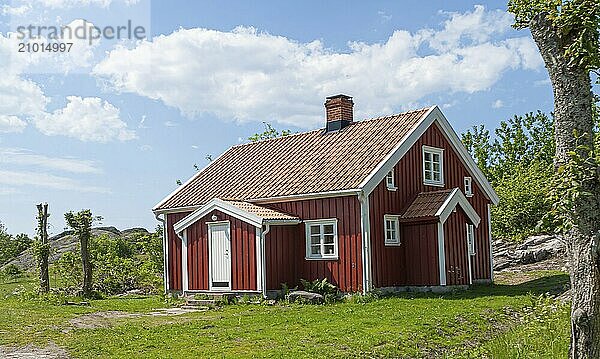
52, 351
99, 319
107, 319
526, 272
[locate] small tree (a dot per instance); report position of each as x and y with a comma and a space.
41, 249
269, 132
81, 224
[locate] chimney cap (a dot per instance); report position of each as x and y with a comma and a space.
342, 96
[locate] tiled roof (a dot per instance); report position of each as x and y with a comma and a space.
426, 204
309, 162
263, 212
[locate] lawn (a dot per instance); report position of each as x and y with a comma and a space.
458, 324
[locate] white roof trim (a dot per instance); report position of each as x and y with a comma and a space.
434, 114
457, 197
222, 206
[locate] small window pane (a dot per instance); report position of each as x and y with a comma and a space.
328, 238
315, 229
315, 240
328, 229
436, 157
315, 250
329, 249
427, 156
436, 176
428, 175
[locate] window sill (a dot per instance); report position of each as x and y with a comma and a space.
322, 258
392, 244
393, 189
469, 195
436, 184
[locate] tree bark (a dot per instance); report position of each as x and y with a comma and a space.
573, 103
43, 234
86, 265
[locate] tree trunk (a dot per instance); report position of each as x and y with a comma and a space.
573, 103
85, 263
43, 234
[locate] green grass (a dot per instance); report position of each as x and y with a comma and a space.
408, 325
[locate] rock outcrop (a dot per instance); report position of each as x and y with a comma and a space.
533, 250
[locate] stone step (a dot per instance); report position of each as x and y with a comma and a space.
200, 302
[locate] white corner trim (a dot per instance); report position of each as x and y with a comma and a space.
222, 206
259, 260
263, 246
489, 222
365, 226
457, 197
441, 253
184, 266
469, 256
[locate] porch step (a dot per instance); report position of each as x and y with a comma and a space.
200, 302
195, 307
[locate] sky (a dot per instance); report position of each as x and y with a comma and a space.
113, 124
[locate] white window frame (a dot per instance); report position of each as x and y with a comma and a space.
471, 238
433, 151
396, 221
321, 223
468, 186
390, 181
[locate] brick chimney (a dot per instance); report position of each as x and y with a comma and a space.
339, 110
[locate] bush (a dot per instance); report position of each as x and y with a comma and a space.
329, 291
12, 271
11, 246
119, 264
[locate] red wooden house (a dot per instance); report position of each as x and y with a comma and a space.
394, 202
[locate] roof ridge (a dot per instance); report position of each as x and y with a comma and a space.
322, 128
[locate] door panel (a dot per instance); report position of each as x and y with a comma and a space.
220, 259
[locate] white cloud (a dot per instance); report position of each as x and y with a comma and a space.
498, 104
246, 75
87, 119
10, 124
23, 157
36, 179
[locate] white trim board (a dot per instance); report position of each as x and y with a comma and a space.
457, 197
222, 206
433, 115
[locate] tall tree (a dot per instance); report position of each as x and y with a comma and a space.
567, 35
42, 248
81, 223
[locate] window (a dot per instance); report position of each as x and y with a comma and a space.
321, 239
433, 166
471, 238
389, 181
392, 230
468, 187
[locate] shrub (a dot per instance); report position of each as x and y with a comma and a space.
68, 271
329, 291
12, 271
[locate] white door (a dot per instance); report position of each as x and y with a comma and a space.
220, 259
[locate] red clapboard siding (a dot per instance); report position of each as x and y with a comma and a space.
455, 242
174, 258
286, 247
408, 172
243, 253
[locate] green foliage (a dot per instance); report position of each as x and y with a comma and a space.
11, 246
269, 132
518, 162
119, 264
67, 269
329, 291
571, 186
577, 22
11, 271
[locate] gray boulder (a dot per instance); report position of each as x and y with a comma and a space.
314, 298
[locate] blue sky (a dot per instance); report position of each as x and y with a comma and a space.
114, 125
